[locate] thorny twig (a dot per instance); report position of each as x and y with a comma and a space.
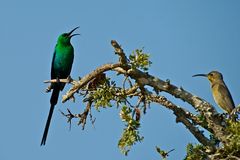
82, 116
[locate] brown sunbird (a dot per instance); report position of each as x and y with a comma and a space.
220, 91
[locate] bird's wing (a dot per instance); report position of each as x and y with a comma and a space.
53, 74
228, 101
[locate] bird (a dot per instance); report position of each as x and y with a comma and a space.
61, 67
220, 91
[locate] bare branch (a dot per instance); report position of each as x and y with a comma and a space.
181, 117
120, 52
70, 116
81, 116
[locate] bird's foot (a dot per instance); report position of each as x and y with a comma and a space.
57, 80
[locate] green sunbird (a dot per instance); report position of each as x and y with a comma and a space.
61, 67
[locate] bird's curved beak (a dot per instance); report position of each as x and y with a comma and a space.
70, 35
198, 75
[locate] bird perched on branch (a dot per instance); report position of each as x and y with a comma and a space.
220, 91
61, 68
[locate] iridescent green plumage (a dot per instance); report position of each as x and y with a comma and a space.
61, 68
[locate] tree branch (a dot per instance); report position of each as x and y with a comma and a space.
215, 123
119, 51
181, 116
87, 78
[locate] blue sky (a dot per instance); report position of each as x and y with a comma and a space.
183, 37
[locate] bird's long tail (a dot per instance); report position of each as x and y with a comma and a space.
53, 101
